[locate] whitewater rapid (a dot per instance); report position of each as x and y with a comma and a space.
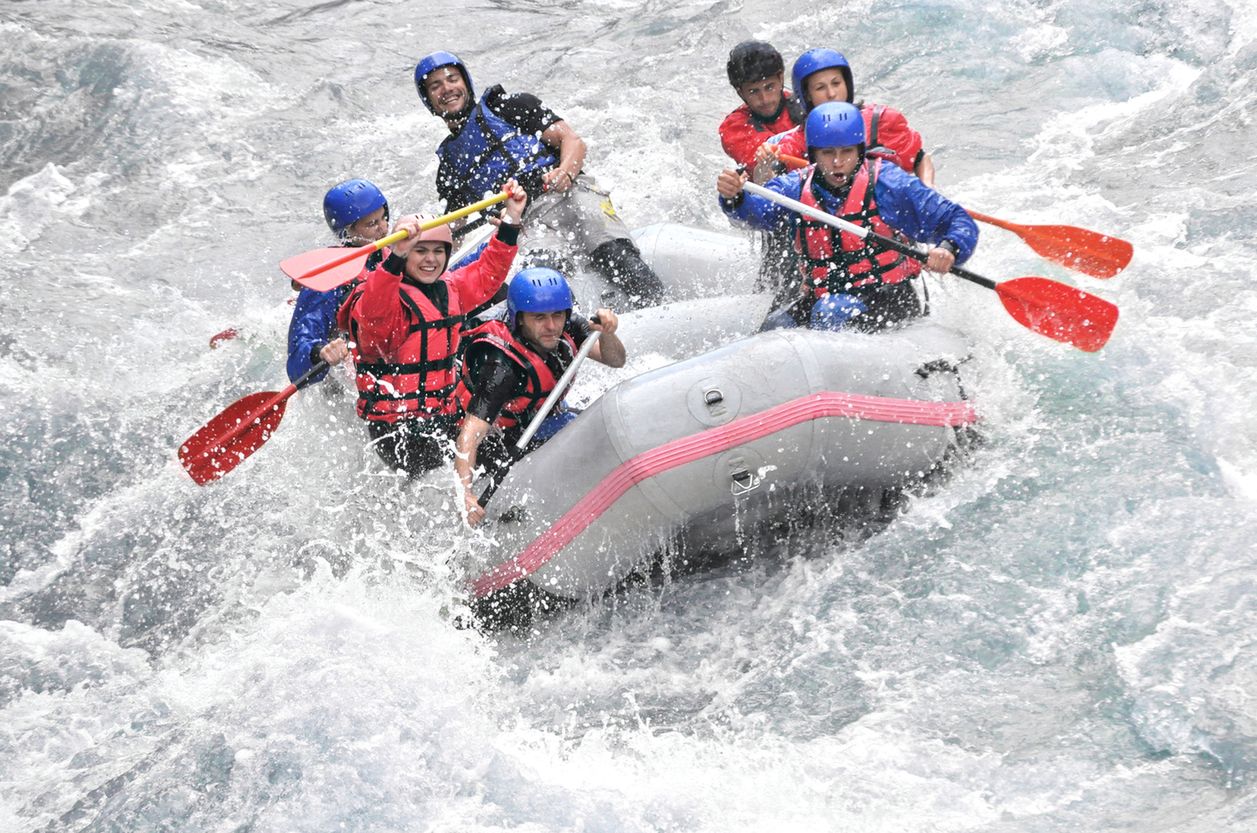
1061, 639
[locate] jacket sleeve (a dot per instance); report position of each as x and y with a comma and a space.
894, 134
918, 211
313, 325
738, 138
476, 282
374, 316
758, 212
497, 381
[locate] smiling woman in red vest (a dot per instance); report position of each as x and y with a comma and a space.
405, 322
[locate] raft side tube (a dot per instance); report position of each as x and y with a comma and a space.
689, 441
679, 254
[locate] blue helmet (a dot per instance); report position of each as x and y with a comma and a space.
814, 60
350, 201
429, 63
833, 311
537, 289
834, 124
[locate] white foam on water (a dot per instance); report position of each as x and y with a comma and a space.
36, 201
1057, 638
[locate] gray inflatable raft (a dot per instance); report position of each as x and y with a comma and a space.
702, 449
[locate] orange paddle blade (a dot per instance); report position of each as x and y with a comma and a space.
793, 163
311, 270
1083, 250
229, 438
1090, 252
1059, 311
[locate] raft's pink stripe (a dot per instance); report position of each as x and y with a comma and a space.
713, 441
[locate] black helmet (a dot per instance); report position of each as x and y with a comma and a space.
753, 60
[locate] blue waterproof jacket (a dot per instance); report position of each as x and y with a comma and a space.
906, 204
313, 325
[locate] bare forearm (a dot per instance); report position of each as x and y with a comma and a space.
610, 350
572, 154
571, 148
470, 436
925, 169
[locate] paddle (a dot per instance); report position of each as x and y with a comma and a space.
559, 387
239, 430
544, 411
1045, 306
326, 269
226, 335
1082, 250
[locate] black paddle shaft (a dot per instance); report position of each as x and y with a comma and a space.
916, 254
319, 367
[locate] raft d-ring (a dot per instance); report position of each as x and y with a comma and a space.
713, 396
744, 482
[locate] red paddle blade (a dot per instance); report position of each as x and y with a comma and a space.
226, 440
299, 268
1059, 311
225, 335
1080, 249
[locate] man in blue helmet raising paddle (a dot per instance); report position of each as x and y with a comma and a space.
503, 135
511, 366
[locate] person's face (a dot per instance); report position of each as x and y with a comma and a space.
369, 228
543, 329
446, 90
837, 164
826, 85
762, 96
426, 261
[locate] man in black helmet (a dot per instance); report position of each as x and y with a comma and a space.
503, 135
757, 74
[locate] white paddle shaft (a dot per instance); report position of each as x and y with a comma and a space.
814, 213
559, 388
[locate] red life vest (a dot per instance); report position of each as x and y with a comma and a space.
897, 142
419, 381
541, 378
859, 262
